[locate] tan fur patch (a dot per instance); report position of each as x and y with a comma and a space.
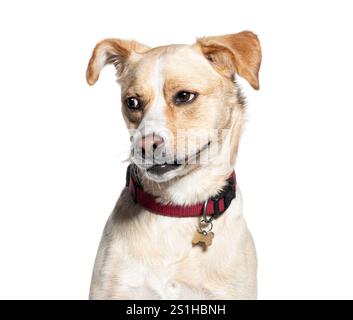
240, 53
114, 51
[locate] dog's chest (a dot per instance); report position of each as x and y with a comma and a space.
162, 282
159, 260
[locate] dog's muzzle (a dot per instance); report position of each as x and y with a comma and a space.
150, 154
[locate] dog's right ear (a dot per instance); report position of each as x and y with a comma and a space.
111, 51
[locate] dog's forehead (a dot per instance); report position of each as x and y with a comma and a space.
184, 62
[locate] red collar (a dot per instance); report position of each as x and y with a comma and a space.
215, 205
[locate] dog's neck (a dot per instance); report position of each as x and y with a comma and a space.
197, 186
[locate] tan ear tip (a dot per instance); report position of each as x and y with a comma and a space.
91, 78
91, 82
254, 83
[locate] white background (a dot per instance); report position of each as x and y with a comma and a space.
62, 142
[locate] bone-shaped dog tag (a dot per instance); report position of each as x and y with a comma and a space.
203, 238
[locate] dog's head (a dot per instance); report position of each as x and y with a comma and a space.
180, 101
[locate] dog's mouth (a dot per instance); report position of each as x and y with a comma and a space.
161, 169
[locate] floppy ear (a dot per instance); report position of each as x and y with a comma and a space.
234, 53
111, 51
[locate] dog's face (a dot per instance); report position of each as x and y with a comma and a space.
178, 100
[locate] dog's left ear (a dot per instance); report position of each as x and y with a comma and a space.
112, 51
234, 53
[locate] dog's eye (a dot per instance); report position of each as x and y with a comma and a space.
184, 97
132, 103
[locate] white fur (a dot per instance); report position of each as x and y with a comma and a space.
155, 121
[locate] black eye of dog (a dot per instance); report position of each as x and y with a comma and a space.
184, 97
132, 103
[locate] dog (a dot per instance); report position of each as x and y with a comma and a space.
177, 230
